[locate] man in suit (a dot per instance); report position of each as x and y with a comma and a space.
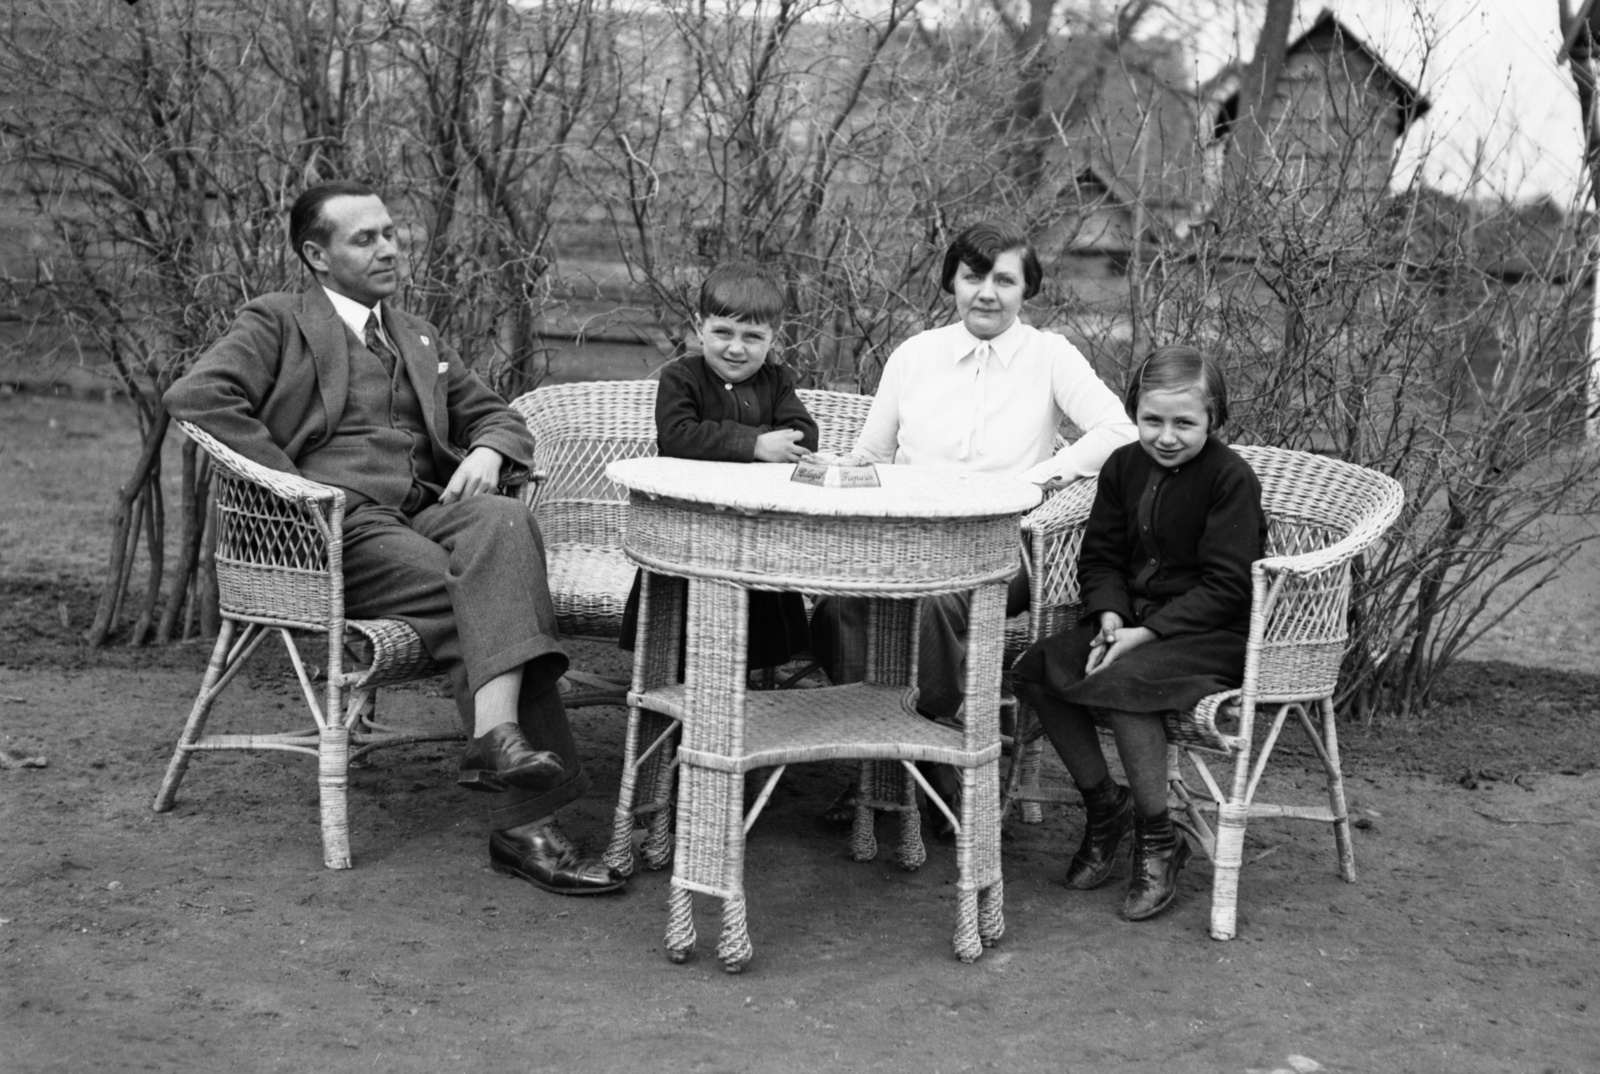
337, 385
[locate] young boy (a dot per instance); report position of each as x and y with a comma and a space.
727, 404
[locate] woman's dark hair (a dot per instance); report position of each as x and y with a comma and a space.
1178, 368
306, 222
984, 241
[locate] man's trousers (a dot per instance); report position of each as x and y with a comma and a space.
470, 578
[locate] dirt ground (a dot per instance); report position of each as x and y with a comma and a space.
211, 937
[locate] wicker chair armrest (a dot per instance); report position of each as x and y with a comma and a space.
1051, 536
280, 543
1062, 509
288, 486
528, 493
1358, 540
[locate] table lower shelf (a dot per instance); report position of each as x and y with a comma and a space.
857, 721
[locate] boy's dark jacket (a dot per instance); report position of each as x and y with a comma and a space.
699, 417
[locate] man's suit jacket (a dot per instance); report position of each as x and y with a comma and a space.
275, 386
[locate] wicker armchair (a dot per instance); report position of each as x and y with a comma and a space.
839, 417
279, 565
645, 792
1321, 514
577, 429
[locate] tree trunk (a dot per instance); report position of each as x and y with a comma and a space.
1578, 33
1257, 89
205, 595
191, 502
155, 532
130, 500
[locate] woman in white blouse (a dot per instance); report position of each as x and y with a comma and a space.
986, 393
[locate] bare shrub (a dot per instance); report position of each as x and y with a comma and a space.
1435, 339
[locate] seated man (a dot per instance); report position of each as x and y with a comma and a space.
338, 386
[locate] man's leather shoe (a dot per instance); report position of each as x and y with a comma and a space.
546, 858
1109, 820
1156, 865
502, 758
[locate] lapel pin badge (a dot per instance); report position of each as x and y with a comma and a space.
424, 341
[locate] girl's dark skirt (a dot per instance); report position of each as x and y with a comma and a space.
1159, 676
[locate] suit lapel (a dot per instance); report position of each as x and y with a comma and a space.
421, 358
324, 332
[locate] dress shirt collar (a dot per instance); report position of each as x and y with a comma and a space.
355, 314
1004, 346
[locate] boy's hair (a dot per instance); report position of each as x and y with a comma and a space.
1177, 368
306, 222
744, 291
984, 241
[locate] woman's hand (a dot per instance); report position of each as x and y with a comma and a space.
1111, 644
779, 445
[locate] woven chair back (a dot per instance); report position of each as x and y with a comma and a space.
272, 543
839, 417
578, 429
1311, 503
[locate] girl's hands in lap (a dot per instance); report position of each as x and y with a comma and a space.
1113, 641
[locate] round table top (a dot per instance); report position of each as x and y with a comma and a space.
762, 487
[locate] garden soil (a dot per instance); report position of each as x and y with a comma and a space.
211, 938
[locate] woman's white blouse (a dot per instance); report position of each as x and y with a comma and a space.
949, 399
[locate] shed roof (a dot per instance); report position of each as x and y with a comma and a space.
1329, 30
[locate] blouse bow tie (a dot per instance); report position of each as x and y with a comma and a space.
973, 439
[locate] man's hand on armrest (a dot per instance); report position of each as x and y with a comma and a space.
478, 474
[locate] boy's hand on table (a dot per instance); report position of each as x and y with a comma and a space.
779, 445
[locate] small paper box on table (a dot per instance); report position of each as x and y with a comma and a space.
835, 472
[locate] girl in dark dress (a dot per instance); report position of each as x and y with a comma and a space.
1165, 576
728, 404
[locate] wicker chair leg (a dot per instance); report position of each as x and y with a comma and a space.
1022, 772
1225, 867
1012, 789
680, 924
991, 913
197, 718
657, 847
912, 853
333, 786
968, 944
1032, 762
734, 950
655, 788
1341, 813
619, 853
863, 839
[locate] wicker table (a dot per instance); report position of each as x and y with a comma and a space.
707, 533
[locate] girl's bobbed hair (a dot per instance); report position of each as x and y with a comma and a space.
1178, 368
984, 241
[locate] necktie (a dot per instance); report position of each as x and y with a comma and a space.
973, 439
378, 345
